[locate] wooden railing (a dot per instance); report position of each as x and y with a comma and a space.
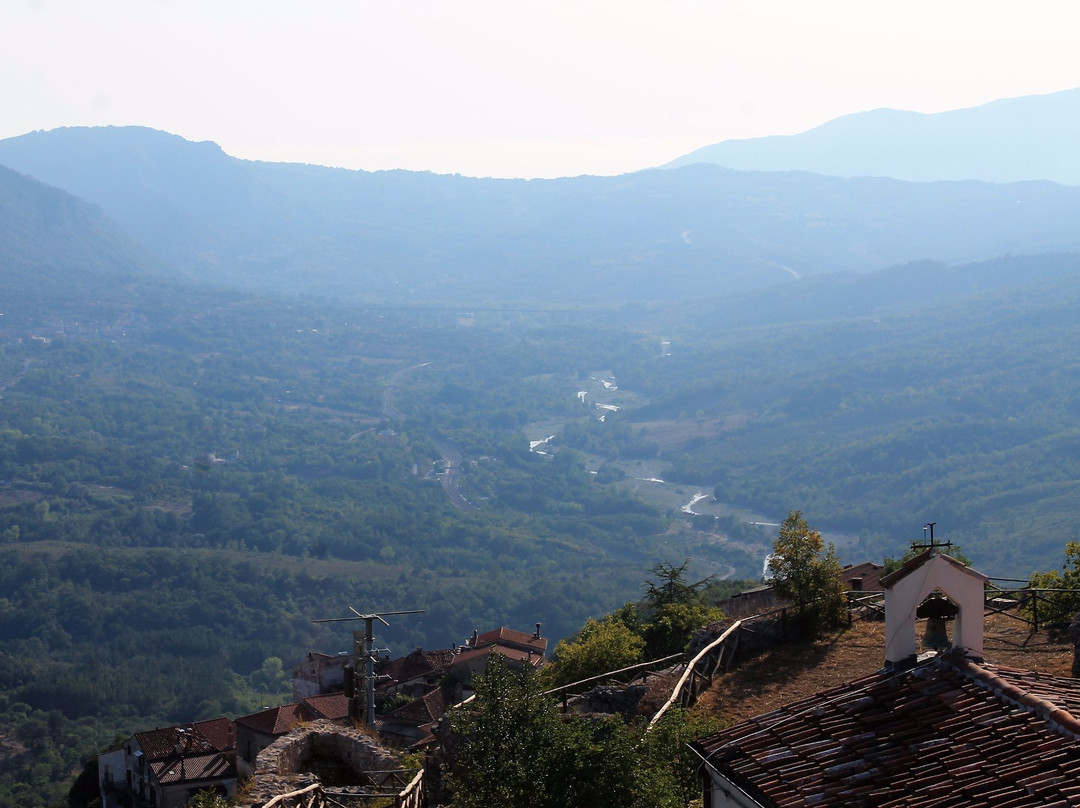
388, 787
412, 796
622, 676
310, 797
701, 669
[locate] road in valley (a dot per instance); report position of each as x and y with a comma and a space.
451, 456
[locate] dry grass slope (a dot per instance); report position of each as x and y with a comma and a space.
799, 669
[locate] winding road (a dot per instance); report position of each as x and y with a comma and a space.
450, 454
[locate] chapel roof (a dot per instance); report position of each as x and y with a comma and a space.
948, 731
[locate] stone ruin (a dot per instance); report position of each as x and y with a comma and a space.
320, 752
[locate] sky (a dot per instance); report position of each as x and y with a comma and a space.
512, 88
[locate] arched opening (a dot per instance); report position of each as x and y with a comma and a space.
935, 617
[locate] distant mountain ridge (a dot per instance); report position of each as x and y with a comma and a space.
1010, 140
406, 238
44, 228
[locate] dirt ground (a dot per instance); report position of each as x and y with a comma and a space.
800, 669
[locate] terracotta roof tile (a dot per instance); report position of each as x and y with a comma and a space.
276, 720
332, 706
221, 732
948, 732
184, 769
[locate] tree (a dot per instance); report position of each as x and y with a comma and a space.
669, 585
208, 798
805, 572
511, 747
675, 609
600, 646
1064, 602
672, 626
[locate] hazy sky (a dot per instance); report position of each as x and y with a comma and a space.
511, 88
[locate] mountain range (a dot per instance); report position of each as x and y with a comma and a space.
1009, 140
403, 238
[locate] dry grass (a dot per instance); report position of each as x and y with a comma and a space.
799, 669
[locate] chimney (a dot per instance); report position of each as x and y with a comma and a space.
536, 636
475, 636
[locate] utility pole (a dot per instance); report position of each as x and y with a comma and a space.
364, 648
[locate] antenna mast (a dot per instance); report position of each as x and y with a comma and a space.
364, 648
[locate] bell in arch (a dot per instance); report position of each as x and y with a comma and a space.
937, 611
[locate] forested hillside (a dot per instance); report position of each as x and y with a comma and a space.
189, 474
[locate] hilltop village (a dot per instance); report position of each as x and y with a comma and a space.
166, 767
928, 718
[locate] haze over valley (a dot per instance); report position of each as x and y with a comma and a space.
237, 395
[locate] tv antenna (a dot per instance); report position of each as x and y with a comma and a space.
364, 648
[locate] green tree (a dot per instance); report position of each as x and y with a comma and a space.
674, 609
511, 747
805, 572
208, 798
600, 646
1064, 603
672, 626
669, 585
507, 742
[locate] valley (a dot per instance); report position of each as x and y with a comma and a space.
201, 449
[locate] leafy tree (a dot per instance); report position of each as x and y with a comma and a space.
1064, 603
806, 573
208, 798
513, 748
673, 625
507, 742
600, 646
667, 761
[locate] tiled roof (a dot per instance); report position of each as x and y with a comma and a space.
333, 706
163, 743
275, 720
426, 709
280, 720
418, 664
507, 652
190, 752
213, 766
508, 636
947, 732
221, 732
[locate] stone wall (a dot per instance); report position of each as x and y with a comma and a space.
283, 766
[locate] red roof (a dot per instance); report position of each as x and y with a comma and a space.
333, 706
275, 720
426, 709
281, 720
867, 573
509, 653
199, 767
221, 732
164, 743
190, 752
948, 732
418, 664
508, 636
